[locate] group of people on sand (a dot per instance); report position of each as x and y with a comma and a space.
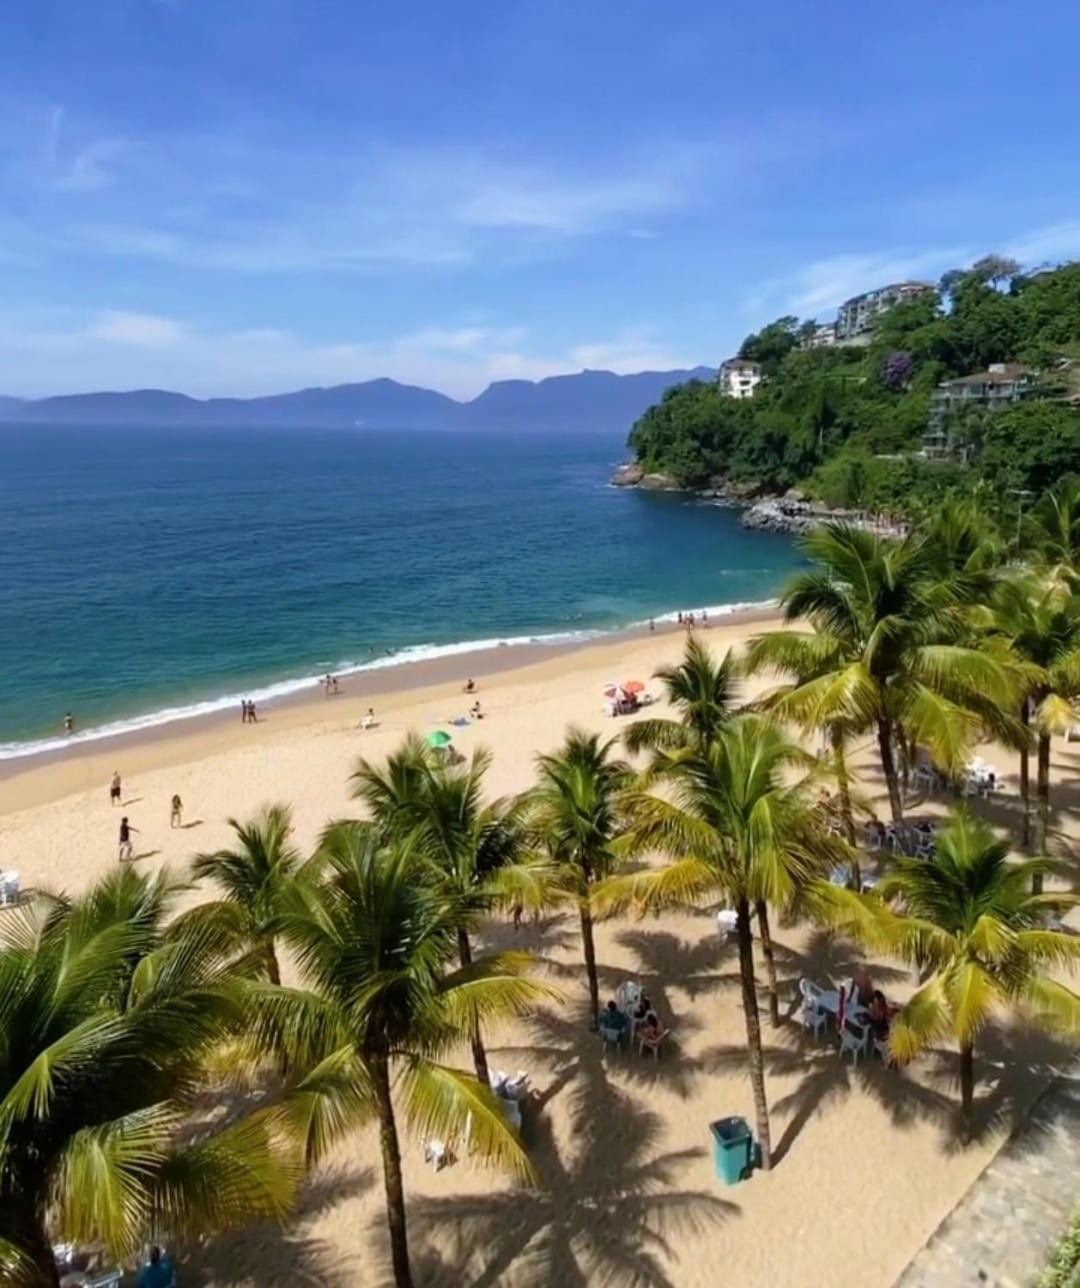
690, 621
643, 1023
127, 847
330, 685
247, 712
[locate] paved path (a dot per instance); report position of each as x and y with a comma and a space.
1000, 1233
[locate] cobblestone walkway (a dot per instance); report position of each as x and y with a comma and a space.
1001, 1231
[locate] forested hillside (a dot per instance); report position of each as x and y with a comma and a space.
846, 423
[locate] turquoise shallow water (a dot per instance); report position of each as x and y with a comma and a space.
145, 574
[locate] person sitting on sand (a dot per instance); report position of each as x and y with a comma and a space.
369, 720
176, 812
126, 848
114, 789
470, 685
475, 711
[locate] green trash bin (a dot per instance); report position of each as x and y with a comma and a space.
733, 1149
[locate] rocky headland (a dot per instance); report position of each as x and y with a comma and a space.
791, 511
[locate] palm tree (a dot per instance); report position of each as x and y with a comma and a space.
705, 694
373, 941
477, 850
108, 1018
898, 640
1040, 619
970, 920
702, 691
1051, 534
738, 829
253, 875
809, 658
579, 821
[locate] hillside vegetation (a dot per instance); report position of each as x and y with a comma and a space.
846, 423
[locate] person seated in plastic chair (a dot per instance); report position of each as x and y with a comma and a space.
613, 1024
158, 1272
650, 1033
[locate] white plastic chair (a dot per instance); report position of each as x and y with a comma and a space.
627, 995
727, 919
853, 1038
436, 1153
813, 1017
610, 1037
9, 887
653, 1044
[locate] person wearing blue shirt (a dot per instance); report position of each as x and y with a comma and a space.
614, 1021
157, 1273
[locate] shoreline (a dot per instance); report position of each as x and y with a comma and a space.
40, 776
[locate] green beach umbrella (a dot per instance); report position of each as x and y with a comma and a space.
439, 738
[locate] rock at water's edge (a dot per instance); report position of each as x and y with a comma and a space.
629, 474
660, 483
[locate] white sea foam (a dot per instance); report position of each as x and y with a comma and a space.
285, 688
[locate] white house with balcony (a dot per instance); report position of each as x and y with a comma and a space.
738, 377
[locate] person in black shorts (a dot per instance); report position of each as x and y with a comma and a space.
114, 789
126, 848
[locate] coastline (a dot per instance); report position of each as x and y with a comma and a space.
37, 777
60, 830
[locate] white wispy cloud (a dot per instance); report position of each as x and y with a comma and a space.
263, 212
143, 330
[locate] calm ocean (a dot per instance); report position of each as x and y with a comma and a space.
149, 573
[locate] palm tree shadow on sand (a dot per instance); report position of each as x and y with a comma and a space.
271, 1254
609, 1210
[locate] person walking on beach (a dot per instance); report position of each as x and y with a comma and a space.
176, 812
69, 723
114, 789
252, 717
243, 711
126, 830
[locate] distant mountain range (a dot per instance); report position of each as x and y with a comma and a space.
589, 400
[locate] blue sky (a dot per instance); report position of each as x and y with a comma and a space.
243, 196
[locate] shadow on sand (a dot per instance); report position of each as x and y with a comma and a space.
608, 1208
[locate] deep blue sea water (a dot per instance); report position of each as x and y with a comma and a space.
142, 571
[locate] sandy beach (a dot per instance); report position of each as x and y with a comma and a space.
868, 1162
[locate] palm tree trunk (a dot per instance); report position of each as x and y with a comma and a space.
843, 786
762, 911
391, 1161
888, 766
590, 963
753, 1030
967, 1082
478, 1053
1042, 791
1025, 779
273, 970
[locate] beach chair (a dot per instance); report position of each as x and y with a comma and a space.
653, 1044
813, 1017
627, 996
610, 1037
436, 1153
727, 919
9, 887
854, 1037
